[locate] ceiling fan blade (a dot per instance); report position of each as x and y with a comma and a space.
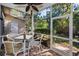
36, 3
27, 8
19, 3
35, 8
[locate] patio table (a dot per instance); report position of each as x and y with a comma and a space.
22, 37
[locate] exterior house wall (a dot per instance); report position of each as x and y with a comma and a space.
9, 20
1, 26
0, 34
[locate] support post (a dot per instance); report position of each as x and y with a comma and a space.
32, 24
71, 30
51, 28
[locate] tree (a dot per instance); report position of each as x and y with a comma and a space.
57, 10
76, 23
61, 25
60, 9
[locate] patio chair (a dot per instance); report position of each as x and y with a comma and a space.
12, 48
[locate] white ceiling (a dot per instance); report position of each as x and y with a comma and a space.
22, 7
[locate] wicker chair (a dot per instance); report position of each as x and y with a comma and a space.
12, 48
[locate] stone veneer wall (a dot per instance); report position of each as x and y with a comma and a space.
9, 20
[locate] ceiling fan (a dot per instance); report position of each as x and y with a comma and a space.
29, 6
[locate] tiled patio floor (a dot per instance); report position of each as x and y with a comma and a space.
36, 52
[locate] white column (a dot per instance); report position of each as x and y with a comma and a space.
51, 28
71, 30
32, 24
